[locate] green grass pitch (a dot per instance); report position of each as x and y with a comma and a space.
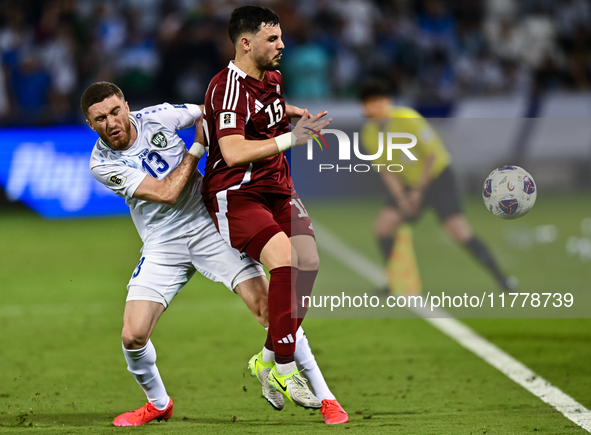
62, 370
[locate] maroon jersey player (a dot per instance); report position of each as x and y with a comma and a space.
249, 193
252, 109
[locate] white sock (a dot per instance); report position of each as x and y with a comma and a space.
141, 363
284, 369
268, 355
305, 360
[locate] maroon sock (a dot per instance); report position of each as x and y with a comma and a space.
282, 326
304, 286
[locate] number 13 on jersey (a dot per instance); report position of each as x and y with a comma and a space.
155, 159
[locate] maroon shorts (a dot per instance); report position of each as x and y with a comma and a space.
249, 219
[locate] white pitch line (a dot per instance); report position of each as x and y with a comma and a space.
464, 335
514, 370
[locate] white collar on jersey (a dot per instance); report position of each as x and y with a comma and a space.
233, 67
133, 122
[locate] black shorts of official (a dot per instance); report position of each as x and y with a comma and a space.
442, 196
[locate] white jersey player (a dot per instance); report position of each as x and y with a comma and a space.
186, 225
157, 151
141, 158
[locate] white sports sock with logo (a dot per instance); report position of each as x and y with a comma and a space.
305, 360
141, 363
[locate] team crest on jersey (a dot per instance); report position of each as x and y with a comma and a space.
159, 140
227, 120
116, 180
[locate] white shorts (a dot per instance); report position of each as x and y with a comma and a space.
165, 268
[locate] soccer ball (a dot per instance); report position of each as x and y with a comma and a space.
509, 192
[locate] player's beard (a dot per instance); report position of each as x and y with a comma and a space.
268, 64
122, 142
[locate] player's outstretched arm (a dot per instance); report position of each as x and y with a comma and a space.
238, 151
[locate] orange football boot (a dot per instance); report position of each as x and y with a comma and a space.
333, 412
144, 415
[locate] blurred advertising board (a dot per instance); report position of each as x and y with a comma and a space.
47, 170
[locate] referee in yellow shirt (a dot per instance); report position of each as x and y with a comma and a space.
428, 181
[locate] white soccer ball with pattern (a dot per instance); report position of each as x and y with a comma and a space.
509, 192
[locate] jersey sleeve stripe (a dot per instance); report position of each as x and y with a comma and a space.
231, 94
237, 93
247, 110
227, 88
232, 91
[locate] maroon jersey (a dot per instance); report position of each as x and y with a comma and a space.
236, 103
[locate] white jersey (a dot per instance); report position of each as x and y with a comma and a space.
157, 151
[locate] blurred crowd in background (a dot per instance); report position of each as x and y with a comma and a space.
432, 51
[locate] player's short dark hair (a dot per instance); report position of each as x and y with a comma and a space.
96, 93
374, 88
248, 19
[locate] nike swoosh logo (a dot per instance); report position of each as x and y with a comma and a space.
280, 386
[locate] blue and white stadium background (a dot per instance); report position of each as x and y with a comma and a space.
47, 170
